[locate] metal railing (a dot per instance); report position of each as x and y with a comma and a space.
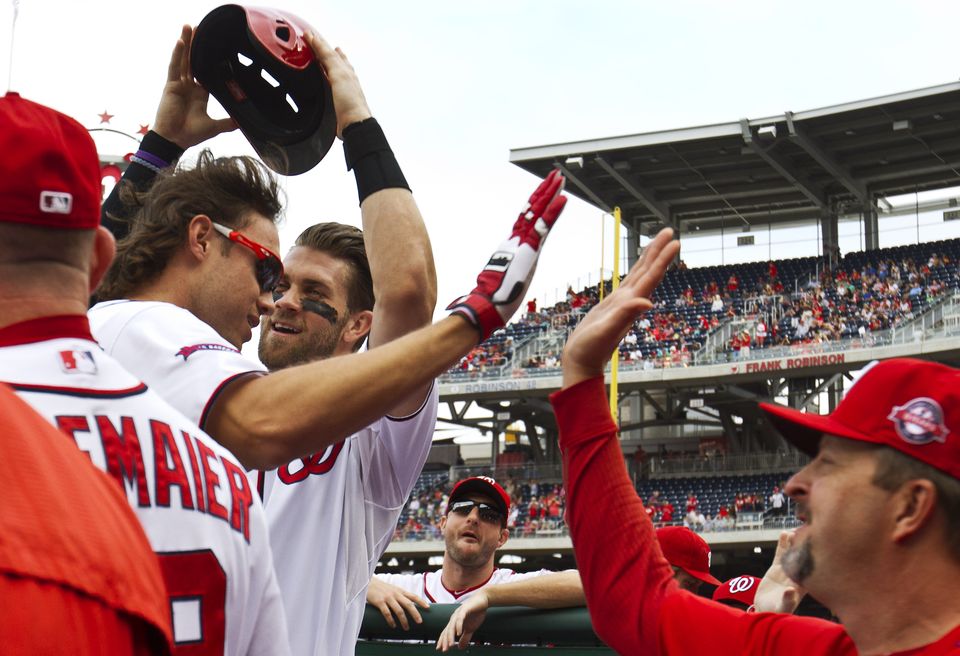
723, 464
746, 521
560, 632
543, 473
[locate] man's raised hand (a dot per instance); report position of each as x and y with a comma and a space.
349, 102
505, 279
777, 592
182, 114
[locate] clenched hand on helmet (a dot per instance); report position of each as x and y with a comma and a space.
348, 99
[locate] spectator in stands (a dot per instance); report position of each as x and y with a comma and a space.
738, 503
694, 520
778, 502
733, 284
761, 333
666, 514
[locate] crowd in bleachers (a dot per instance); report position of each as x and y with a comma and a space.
861, 297
795, 302
716, 503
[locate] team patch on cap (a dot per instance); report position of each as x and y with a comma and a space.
919, 421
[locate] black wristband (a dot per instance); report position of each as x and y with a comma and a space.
369, 156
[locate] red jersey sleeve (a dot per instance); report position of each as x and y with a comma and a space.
625, 577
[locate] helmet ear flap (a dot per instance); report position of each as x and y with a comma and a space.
256, 63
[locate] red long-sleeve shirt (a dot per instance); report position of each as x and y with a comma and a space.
635, 605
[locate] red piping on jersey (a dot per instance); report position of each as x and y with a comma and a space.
45, 328
80, 391
217, 392
456, 595
416, 412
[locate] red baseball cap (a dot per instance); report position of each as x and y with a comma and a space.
50, 175
741, 589
910, 405
481, 485
685, 549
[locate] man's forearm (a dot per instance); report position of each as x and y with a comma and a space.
155, 154
401, 264
559, 590
270, 420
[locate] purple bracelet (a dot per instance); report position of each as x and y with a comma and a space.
149, 160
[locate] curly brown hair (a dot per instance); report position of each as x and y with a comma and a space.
227, 189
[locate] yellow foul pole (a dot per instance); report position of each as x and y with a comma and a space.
603, 219
615, 360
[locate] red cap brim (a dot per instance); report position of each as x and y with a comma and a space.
706, 577
804, 429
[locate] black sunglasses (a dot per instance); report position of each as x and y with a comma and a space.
269, 268
487, 512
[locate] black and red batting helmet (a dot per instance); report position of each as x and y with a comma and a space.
256, 63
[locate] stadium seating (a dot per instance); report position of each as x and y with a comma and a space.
798, 299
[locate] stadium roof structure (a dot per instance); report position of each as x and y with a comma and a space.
801, 166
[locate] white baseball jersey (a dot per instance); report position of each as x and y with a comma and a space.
428, 585
182, 358
331, 517
202, 516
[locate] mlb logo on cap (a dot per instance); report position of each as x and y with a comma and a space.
56, 202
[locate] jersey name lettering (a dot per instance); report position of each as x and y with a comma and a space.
123, 450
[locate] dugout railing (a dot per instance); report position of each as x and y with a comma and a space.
506, 631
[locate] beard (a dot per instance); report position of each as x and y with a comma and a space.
798, 562
278, 354
473, 559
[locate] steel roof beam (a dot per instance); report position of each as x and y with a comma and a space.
783, 167
583, 187
799, 136
645, 196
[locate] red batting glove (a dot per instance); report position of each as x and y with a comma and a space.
503, 283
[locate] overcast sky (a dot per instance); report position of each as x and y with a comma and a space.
456, 85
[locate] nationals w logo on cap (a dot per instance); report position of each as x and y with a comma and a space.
919, 421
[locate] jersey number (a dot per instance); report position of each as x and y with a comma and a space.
316, 465
197, 587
